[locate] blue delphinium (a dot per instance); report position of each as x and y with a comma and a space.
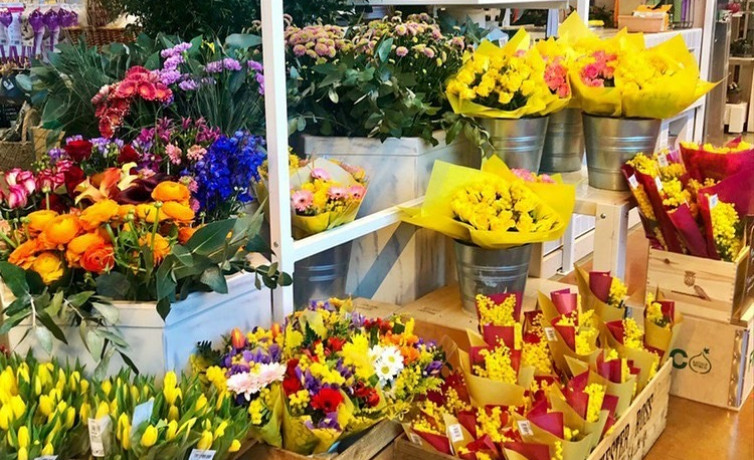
224, 175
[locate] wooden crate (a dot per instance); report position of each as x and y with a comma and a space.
640, 24
632, 437
711, 289
375, 444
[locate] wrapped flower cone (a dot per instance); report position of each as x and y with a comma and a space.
572, 450
592, 301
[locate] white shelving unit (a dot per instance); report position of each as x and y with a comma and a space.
286, 250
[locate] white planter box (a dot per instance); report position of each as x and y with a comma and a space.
400, 263
157, 345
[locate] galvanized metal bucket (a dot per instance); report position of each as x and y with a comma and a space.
321, 276
564, 143
518, 142
490, 271
610, 142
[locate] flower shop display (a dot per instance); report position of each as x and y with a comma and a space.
511, 90
324, 195
625, 90
325, 375
566, 406
104, 220
493, 216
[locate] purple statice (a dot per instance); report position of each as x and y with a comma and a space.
232, 65
176, 50
254, 65
257, 68
170, 77
357, 320
343, 370
188, 85
173, 62
311, 384
56, 154
101, 144
214, 67
76, 137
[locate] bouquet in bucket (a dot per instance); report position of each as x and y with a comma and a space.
620, 77
327, 374
492, 208
324, 193
510, 82
683, 214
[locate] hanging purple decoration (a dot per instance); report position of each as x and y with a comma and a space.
37, 23
6, 18
68, 18
52, 20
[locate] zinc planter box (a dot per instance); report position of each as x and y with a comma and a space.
400, 263
156, 345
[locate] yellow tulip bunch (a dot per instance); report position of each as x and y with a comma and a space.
43, 409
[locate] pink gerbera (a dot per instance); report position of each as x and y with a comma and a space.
126, 89
319, 173
301, 200
147, 91
357, 192
337, 193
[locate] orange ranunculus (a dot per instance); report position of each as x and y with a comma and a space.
410, 354
24, 254
177, 211
49, 266
80, 244
98, 259
159, 245
38, 219
185, 234
171, 191
98, 213
148, 212
62, 229
126, 209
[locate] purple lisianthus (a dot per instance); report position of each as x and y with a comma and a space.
433, 368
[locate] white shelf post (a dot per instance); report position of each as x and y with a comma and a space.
277, 150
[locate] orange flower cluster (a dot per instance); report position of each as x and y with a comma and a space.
88, 238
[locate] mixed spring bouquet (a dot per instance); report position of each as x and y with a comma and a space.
701, 216
324, 193
620, 77
326, 374
492, 208
101, 220
509, 82
379, 79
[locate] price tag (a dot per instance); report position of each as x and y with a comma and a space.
99, 435
550, 334
47, 457
455, 433
197, 454
658, 183
415, 438
633, 182
662, 159
524, 427
712, 200
142, 413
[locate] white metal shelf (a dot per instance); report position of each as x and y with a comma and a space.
360, 227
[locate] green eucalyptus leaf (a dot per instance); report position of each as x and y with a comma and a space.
163, 307
44, 337
13, 321
211, 237
108, 311
214, 278
114, 285
15, 278
95, 343
51, 326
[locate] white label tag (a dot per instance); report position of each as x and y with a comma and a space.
197, 454
632, 181
712, 200
47, 457
142, 413
524, 427
662, 159
658, 183
455, 433
550, 334
99, 436
415, 438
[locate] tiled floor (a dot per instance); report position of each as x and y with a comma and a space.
694, 431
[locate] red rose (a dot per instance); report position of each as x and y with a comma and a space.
369, 395
78, 150
327, 400
335, 344
73, 177
128, 154
98, 259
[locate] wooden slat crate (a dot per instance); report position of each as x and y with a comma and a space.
632, 437
375, 444
706, 288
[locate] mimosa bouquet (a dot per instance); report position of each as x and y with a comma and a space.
682, 214
509, 82
603, 293
661, 324
43, 409
620, 77
708, 162
324, 193
328, 373
492, 208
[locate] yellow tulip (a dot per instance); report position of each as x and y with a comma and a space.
23, 454
220, 431
102, 410
235, 446
171, 394
84, 385
149, 438
18, 406
172, 430
173, 413
124, 433
122, 423
201, 403
188, 424
70, 417
44, 375
6, 416
84, 411
48, 450
23, 373
23, 437
134, 393
206, 440
106, 387
170, 380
